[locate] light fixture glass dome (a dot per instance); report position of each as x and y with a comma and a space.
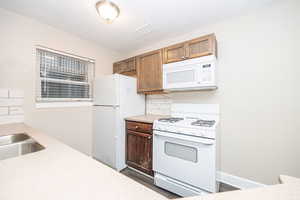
107, 10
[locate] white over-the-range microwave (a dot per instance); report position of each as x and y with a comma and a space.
193, 74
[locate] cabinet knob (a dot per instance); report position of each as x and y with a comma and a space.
149, 137
136, 127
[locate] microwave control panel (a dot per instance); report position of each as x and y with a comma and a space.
207, 72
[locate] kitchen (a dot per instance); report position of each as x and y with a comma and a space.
257, 99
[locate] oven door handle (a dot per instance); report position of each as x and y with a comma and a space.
186, 138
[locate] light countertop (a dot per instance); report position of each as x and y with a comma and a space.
146, 118
62, 173
288, 180
274, 192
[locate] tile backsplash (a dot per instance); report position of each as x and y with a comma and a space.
11, 106
158, 104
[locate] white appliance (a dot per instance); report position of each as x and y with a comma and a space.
184, 149
115, 98
192, 74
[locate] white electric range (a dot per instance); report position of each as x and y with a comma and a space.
184, 149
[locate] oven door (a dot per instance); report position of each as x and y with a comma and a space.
185, 158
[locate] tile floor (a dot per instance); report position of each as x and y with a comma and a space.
148, 182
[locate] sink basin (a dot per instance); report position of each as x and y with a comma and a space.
14, 138
17, 145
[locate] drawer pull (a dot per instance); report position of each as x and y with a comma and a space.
136, 127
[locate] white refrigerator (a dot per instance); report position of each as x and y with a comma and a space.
115, 98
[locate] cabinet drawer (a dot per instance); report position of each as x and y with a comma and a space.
138, 126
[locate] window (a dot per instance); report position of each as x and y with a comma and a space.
63, 77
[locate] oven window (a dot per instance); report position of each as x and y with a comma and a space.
181, 151
181, 76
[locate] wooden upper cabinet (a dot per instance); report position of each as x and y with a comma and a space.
126, 67
130, 64
148, 67
117, 67
174, 53
202, 46
198, 47
149, 72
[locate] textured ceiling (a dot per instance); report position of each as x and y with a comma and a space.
140, 23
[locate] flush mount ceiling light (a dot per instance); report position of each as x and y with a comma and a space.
107, 10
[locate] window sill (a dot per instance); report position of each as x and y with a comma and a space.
63, 104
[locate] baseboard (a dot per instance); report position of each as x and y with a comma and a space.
140, 172
237, 182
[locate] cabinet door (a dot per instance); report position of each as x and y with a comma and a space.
126, 67
139, 151
149, 71
130, 65
202, 46
174, 53
117, 67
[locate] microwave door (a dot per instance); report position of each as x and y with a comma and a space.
180, 78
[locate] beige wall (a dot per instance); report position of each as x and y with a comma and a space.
18, 37
258, 91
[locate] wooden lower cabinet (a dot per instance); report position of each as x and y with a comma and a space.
139, 147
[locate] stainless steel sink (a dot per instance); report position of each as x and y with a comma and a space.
14, 138
17, 145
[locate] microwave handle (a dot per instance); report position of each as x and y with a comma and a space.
186, 138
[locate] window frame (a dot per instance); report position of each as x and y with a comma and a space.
62, 102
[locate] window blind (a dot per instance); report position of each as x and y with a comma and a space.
63, 78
